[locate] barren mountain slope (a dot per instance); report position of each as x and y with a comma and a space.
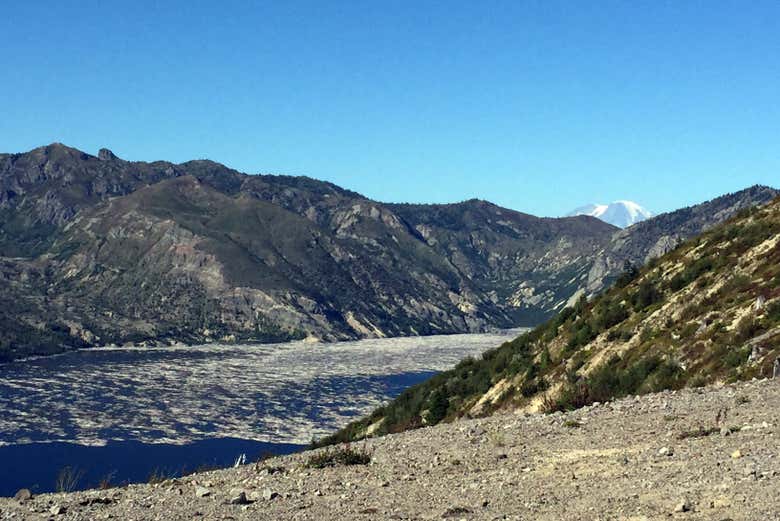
99, 250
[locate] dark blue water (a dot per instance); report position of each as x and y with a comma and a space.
128, 413
37, 465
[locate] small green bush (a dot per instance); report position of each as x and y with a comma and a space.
342, 455
630, 273
614, 380
736, 357
647, 334
773, 311
747, 328
545, 360
612, 315
582, 334
623, 335
698, 381
646, 296
701, 432
689, 330
437, 406
534, 386
691, 272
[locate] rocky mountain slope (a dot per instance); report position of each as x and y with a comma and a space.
694, 454
708, 311
96, 250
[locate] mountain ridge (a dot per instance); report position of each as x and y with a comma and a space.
97, 250
109, 251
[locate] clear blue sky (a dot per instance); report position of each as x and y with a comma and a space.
538, 106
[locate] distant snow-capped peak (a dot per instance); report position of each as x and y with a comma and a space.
619, 213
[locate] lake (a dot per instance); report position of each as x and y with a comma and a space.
128, 413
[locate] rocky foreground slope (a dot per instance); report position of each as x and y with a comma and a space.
96, 250
696, 454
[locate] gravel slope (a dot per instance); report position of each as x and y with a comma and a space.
626, 460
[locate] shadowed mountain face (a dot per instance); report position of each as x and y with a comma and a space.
97, 250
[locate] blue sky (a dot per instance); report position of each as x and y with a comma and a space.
537, 106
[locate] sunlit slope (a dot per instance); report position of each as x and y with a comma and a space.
706, 312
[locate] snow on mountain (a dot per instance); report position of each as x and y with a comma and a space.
618, 213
